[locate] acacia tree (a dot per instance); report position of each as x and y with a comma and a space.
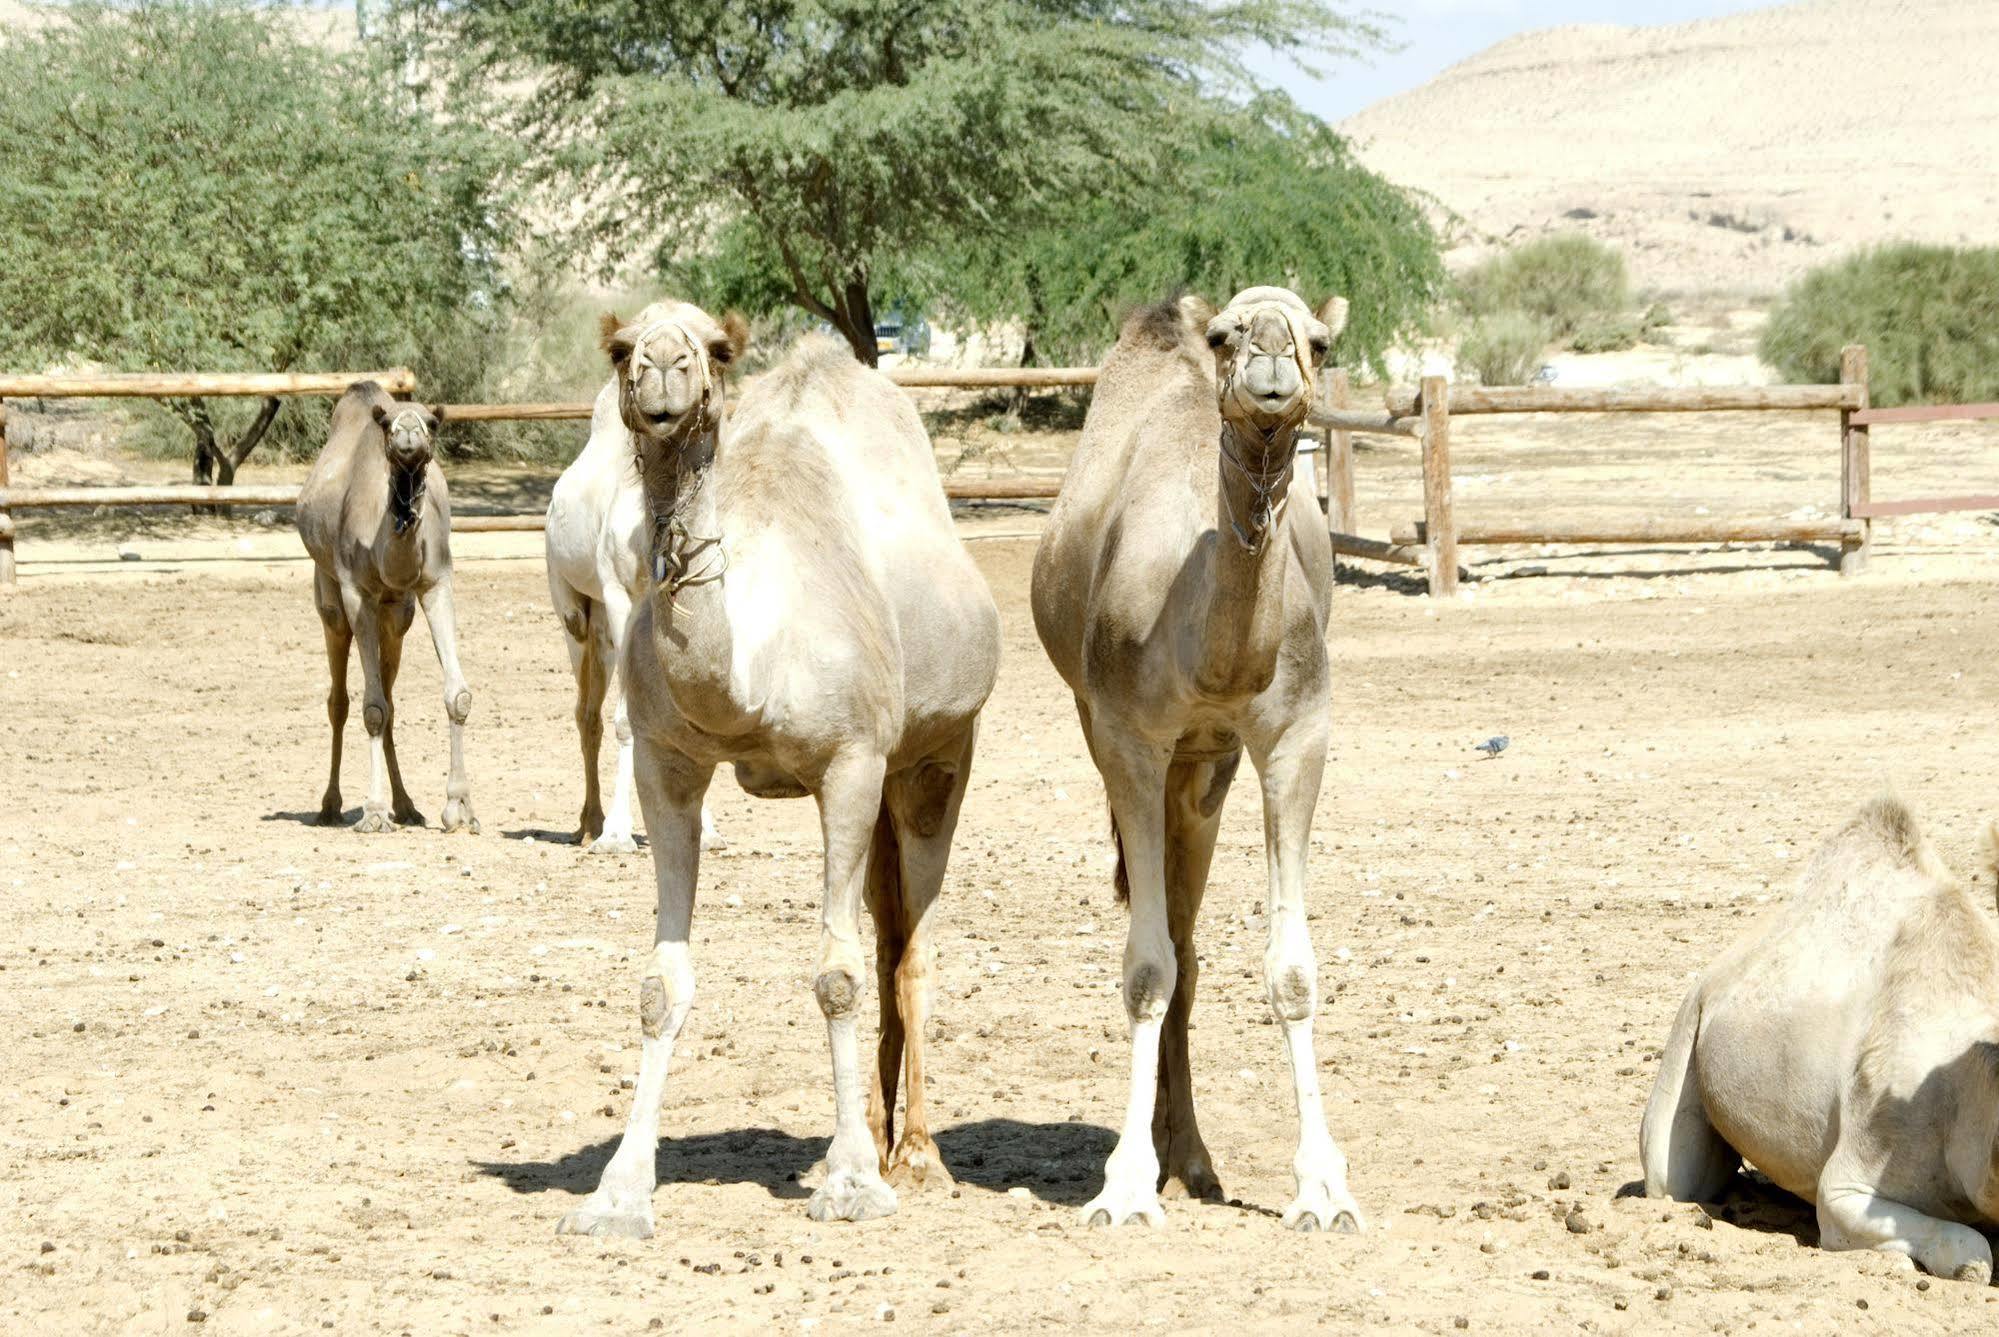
189, 185
818, 148
1268, 194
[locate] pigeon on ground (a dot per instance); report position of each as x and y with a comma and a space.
1493, 746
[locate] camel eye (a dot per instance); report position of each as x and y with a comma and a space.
1319, 347
1216, 338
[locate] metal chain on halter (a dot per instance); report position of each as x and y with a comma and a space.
1264, 482
674, 548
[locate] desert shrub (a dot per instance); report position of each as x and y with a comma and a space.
1504, 348
1606, 334
1929, 316
1565, 279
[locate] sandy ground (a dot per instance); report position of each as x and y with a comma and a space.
291, 1078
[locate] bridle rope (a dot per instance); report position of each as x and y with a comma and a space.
679, 557
1264, 481
406, 486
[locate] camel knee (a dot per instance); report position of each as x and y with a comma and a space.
838, 990
621, 725
1294, 995
664, 998
375, 715
458, 704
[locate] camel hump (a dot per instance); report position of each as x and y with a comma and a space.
1885, 833
1988, 854
1164, 325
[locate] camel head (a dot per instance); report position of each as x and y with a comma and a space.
669, 361
409, 431
1268, 346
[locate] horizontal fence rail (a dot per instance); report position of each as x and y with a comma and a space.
201, 385
1402, 401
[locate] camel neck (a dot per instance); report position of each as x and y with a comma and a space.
400, 558
689, 567
1244, 621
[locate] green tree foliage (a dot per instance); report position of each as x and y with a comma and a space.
1566, 279
1268, 195
828, 152
187, 185
1929, 316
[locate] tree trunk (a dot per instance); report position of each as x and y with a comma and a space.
860, 313
206, 456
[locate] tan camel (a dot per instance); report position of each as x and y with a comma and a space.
813, 620
1185, 603
376, 517
1848, 1048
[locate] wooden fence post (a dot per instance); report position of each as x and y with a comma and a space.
1339, 460
1856, 463
1440, 530
6, 520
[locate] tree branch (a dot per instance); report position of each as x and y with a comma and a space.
248, 441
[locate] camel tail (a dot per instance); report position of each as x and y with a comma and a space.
1120, 879
884, 886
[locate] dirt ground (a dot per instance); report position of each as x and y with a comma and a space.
290, 1078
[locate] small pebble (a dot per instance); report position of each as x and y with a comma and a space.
1559, 1181
1861, 1303
1922, 1283
1541, 1274
197, 1316
48, 1246
1663, 1293
1577, 1223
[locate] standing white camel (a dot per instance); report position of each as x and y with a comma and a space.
1185, 602
1849, 1049
814, 620
376, 517
597, 564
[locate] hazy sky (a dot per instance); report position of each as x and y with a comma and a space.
1436, 34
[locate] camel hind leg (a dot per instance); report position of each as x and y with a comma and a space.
339, 641
607, 635
403, 807
922, 804
884, 896
1682, 1156
1194, 794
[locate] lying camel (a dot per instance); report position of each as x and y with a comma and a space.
1849, 1049
376, 517
814, 621
597, 560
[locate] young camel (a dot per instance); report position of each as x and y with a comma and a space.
376, 517
597, 560
1849, 1049
813, 620
1185, 603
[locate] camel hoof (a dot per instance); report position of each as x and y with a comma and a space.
712, 841
409, 816
329, 815
607, 1221
1977, 1273
1113, 1208
848, 1197
612, 842
458, 817
374, 822
1323, 1217
918, 1167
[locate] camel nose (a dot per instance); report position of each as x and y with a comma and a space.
1271, 375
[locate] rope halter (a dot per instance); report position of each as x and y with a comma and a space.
1265, 478
679, 557
406, 486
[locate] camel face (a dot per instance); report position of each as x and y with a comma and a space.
1267, 346
409, 431
668, 365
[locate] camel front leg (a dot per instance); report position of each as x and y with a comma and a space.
1291, 765
443, 621
395, 624
850, 798
1134, 772
670, 788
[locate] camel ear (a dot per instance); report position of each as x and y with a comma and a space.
1333, 315
379, 414
1196, 310
611, 337
735, 340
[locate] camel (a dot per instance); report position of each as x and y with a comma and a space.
596, 544
376, 516
813, 620
1848, 1047
1186, 603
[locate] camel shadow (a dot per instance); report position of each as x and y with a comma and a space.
1752, 1202
764, 1156
311, 818
1060, 1163
546, 836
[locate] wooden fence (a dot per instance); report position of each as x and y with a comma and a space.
1425, 412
